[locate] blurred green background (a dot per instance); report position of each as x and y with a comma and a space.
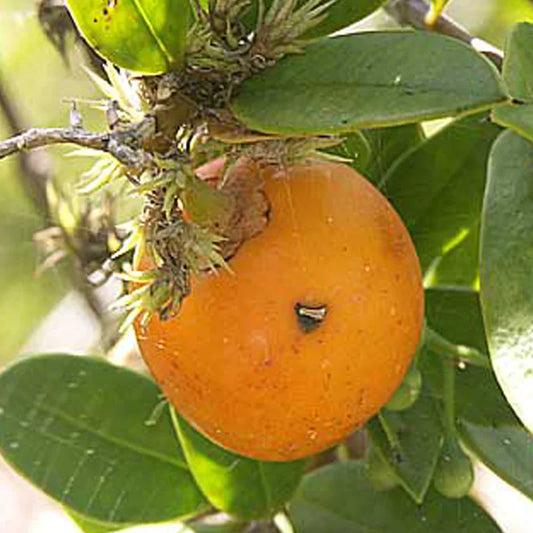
38, 83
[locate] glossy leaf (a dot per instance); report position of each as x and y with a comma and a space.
459, 266
388, 145
146, 36
507, 450
339, 498
373, 152
79, 429
367, 80
455, 312
418, 432
91, 526
517, 117
506, 275
341, 14
486, 423
237, 485
518, 76
438, 189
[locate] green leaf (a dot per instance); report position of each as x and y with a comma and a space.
460, 264
368, 80
507, 450
455, 313
237, 485
339, 498
418, 435
517, 117
438, 188
487, 425
91, 526
146, 36
341, 14
373, 152
518, 76
506, 271
387, 146
79, 429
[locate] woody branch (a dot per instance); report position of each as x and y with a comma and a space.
117, 144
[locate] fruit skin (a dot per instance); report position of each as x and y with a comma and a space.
237, 363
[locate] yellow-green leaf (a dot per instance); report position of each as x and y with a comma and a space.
146, 36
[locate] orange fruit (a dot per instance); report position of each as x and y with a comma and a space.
311, 334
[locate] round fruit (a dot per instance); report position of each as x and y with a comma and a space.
311, 333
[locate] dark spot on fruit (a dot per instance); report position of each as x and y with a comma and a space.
95, 20
105, 12
310, 317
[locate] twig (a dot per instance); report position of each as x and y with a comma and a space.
413, 13
439, 345
117, 144
36, 137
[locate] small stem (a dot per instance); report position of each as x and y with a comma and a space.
442, 346
114, 143
435, 12
38, 137
392, 438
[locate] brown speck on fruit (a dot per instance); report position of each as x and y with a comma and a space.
310, 317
